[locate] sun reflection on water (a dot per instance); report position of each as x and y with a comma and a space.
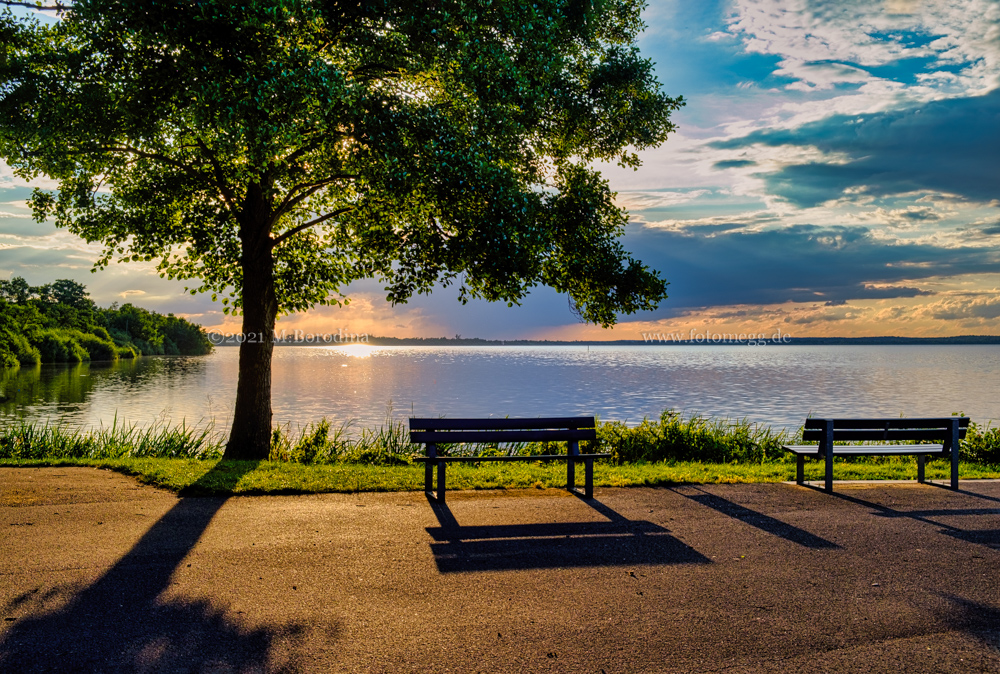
354, 350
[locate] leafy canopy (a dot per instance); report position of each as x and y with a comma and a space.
416, 142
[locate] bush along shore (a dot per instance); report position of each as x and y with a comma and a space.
59, 323
325, 458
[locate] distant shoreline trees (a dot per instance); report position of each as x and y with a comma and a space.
59, 323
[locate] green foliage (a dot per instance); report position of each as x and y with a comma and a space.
60, 346
59, 323
387, 445
33, 441
15, 349
317, 142
981, 444
673, 438
127, 351
96, 347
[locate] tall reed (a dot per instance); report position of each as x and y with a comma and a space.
24, 440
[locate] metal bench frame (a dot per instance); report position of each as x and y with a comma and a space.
949, 430
572, 430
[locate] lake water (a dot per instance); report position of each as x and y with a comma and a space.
777, 385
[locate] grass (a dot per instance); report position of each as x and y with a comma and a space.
198, 477
323, 458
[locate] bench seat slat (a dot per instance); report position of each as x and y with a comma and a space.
902, 422
540, 457
501, 424
866, 450
502, 436
854, 435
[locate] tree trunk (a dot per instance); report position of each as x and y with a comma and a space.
250, 437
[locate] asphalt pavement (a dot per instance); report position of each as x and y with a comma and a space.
101, 574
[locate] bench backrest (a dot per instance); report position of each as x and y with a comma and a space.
502, 430
885, 430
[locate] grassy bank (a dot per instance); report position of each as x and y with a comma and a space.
670, 438
323, 458
197, 477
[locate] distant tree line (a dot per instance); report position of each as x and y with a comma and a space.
59, 323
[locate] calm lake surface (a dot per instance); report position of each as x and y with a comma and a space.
777, 385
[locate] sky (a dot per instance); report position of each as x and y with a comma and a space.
836, 172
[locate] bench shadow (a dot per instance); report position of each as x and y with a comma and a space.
964, 492
988, 537
761, 521
120, 623
517, 547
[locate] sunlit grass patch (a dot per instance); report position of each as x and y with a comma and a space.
193, 477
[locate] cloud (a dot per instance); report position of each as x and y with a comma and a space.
977, 309
824, 44
801, 263
642, 200
901, 218
708, 226
946, 146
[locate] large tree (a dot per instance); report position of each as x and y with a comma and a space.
276, 150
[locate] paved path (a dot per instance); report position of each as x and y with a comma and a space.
99, 574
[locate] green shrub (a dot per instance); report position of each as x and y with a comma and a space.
981, 444
18, 351
673, 438
126, 352
98, 348
102, 333
56, 346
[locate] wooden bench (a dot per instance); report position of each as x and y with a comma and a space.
572, 430
948, 430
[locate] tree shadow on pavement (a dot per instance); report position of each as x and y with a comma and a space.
508, 547
760, 520
121, 624
988, 537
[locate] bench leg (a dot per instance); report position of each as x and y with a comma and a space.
589, 478
921, 460
800, 469
570, 474
429, 477
826, 448
440, 485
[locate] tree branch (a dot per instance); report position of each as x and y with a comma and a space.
311, 223
290, 202
127, 149
220, 177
